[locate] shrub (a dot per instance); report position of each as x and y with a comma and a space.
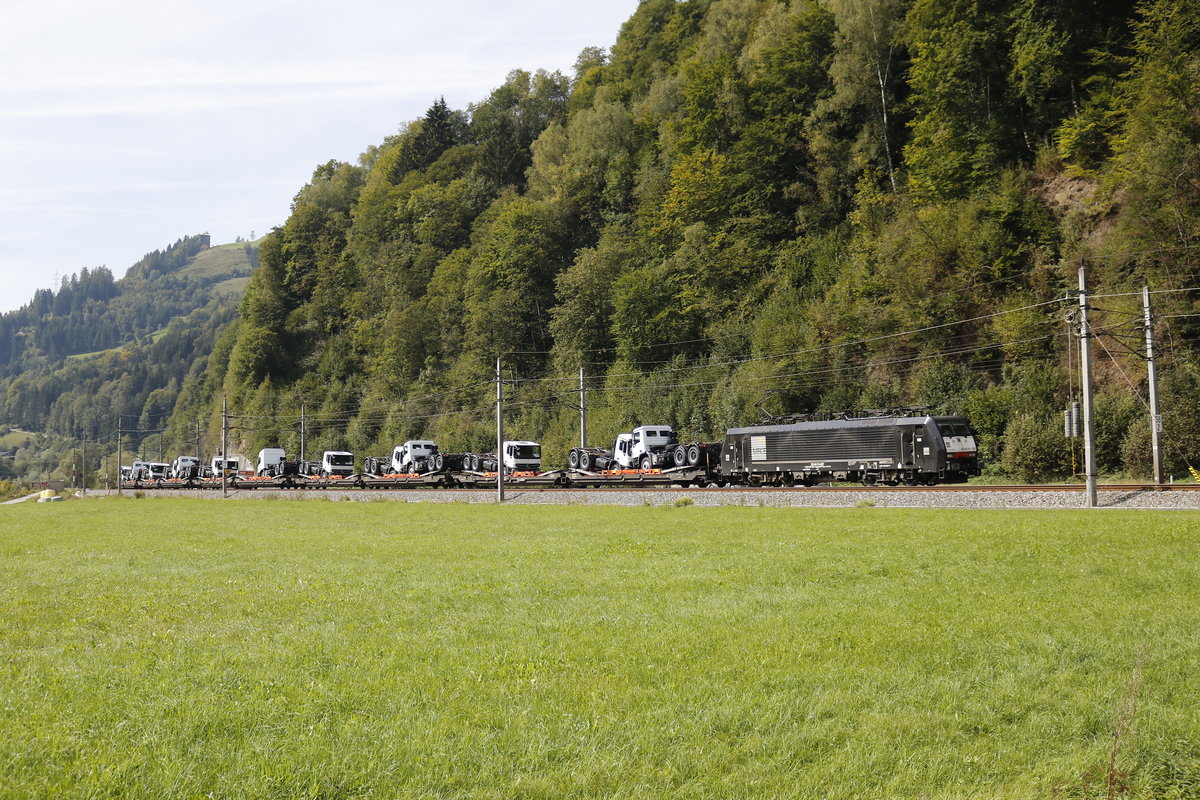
1035, 449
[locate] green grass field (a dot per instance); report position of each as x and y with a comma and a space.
164, 648
219, 261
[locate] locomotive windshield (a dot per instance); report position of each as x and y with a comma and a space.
948, 429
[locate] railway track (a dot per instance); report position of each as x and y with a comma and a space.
345, 485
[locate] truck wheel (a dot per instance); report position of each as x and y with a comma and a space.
585, 461
646, 463
679, 456
693, 455
573, 459
439, 461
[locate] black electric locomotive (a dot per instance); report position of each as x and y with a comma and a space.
892, 450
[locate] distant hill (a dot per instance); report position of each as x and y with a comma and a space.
96, 348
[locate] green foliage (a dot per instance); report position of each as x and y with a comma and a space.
1035, 449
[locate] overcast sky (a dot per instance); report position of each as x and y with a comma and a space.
125, 126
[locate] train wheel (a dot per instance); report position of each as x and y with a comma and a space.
789, 480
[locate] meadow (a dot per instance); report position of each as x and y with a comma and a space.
180, 648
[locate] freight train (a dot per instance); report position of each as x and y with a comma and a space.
889, 447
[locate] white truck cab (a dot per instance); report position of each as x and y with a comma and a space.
337, 462
413, 456
268, 459
644, 448
522, 456
183, 466
159, 470
139, 471
227, 466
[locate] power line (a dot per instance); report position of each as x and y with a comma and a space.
819, 348
961, 288
857, 365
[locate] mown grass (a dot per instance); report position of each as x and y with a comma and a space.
186, 648
221, 261
14, 439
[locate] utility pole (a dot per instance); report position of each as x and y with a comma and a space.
1152, 380
197, 438
83, 465
499, 434
582, 410
224, 442
302, 420
119, 435
1085, 366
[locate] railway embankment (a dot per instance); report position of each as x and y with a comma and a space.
981, 497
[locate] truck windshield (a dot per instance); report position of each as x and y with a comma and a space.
528, 451
342, 461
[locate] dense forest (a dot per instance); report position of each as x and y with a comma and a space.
748, 207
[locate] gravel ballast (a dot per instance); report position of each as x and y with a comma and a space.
784, 498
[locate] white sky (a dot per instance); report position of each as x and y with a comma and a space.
125, 126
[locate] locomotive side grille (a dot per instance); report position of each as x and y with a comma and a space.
859, 444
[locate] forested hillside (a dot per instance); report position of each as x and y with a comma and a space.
845, 203
748, 206
97, 348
